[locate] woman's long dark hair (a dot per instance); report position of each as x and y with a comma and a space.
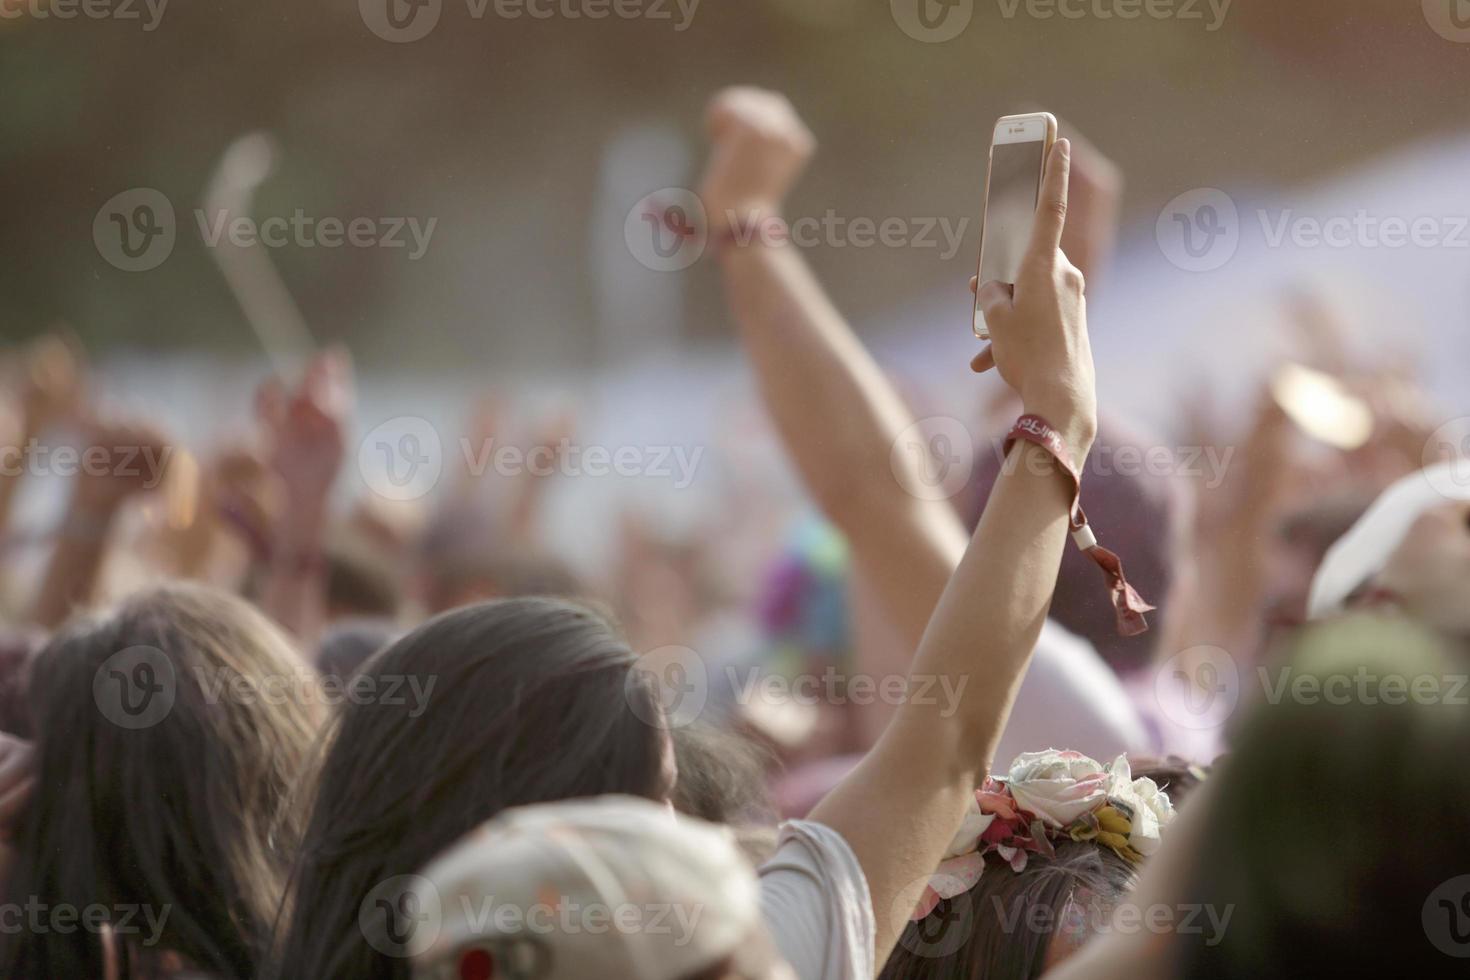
494, 705
173, 814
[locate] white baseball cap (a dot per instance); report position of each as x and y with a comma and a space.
1361, 553
614, 887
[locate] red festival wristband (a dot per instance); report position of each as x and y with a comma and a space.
752, 229
755, 228
1128, 605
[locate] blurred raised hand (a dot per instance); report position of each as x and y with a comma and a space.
306, 429
307, 426
45, 388
758, 148
53, 383
118, 460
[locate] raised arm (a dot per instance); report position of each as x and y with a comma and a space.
48, 391
308, 432
903, 804
837, 414
840, 419
119, 461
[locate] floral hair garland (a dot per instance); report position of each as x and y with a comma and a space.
1046, 797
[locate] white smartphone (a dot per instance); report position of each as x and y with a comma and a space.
1018, 153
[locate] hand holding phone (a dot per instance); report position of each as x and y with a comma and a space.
1018, 153
1039, 337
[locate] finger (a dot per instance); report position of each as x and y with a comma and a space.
1051, 205
974, 284
983, 361
994, 296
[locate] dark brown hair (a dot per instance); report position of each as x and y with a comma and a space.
183, 811
1003, 927
519, 701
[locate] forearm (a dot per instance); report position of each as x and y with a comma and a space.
294, 593
975, 651
839, 417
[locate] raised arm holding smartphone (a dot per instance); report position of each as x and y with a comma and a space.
901, 807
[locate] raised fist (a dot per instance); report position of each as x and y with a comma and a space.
758, 147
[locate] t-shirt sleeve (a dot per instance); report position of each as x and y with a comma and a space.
816, 905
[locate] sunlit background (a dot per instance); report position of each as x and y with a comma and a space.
523, 143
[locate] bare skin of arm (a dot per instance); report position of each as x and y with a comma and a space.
75, 565
308, 428
846, 428
902, 805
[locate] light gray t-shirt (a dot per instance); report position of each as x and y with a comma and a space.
816, 905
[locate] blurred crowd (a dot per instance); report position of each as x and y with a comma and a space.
254, 729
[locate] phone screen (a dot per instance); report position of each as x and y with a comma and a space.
1015, 182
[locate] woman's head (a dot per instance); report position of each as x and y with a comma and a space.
1015, 925
169, 735
1340, 841
495, 705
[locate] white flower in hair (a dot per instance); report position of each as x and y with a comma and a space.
1058, 786
1150, 806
